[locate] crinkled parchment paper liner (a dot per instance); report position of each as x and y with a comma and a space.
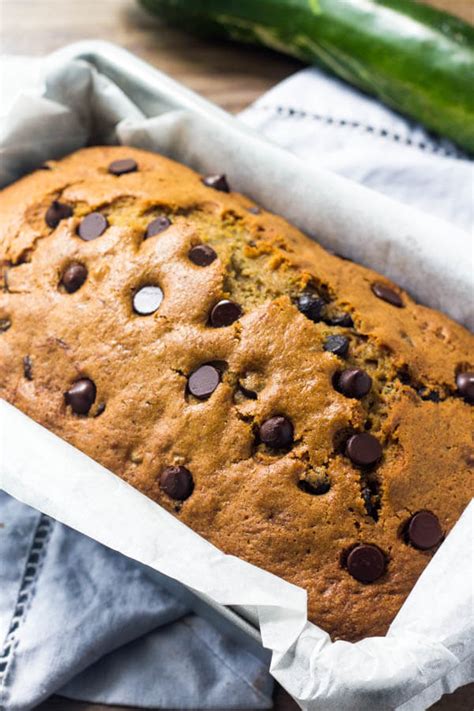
428, 650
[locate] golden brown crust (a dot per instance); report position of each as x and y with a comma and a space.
246, 497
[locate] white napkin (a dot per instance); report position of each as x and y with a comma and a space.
329, 124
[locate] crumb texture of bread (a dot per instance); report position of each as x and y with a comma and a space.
296, 409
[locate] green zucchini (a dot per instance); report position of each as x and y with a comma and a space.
418, 60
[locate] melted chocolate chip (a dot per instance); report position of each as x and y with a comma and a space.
81, 396
28, 367
344, 320
371, 500
224, 313
311, 306
218, 182
366, 563
203, 381
202, 255
56, 212
92, 226
5, 324
177, 482
74, 277
250, 394
122, 166
147, 300
159, 224
404, 375
465, 385
277, 432
317, 487
353, 382
363, 449
427, 394
423, 530
339, 345
386, 293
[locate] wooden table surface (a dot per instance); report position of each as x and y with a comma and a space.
230, 75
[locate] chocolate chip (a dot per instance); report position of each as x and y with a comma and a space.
81, 396
224, 313
366, 563
147, 300
124, 165
344, 320
277, 432
159, 224
218, 182
353, 382
5, 324
203, 381
254, 210
74, 277
177, 482
28, 367
404, 375
92, 226
427, 394
202, 255
100, 409
363, 449
318, 487
339, 345
250, 394
384, 292
371, 501
56, 212
465, 385
311, 306
424, 531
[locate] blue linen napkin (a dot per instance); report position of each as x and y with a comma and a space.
81, 620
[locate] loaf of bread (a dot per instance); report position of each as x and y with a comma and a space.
297, 410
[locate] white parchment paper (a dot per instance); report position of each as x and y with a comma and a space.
68, 103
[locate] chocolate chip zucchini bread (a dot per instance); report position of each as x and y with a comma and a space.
292, 407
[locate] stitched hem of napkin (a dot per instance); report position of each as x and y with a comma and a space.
26, 592
291, 112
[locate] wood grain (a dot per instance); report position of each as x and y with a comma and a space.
228, 74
